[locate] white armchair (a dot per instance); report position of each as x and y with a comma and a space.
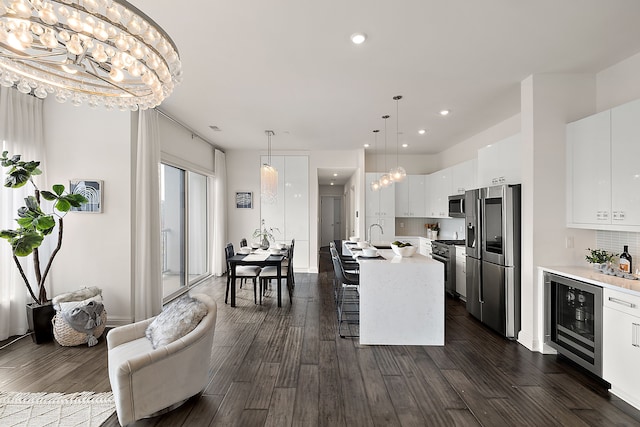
145, 381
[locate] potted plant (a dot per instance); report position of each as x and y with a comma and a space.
34, 225
264, 235
599, 257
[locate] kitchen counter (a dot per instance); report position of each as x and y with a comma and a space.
401, 300
591, 275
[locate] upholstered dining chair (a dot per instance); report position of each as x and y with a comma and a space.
242, 271
286, 272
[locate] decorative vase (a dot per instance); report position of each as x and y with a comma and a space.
265, 243
39, 318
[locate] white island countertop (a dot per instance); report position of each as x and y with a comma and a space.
402, 300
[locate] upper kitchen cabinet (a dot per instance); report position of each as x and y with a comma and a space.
625, 168
603, 175
464, 176
440, 188
410, 196
499, 163
589, 170
380, 203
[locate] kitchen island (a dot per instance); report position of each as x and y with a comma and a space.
401, 300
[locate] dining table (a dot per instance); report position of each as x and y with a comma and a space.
261, 259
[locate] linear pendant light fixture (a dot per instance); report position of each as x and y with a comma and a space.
268, 175
398, 173
385, 179
375, 184
98, 52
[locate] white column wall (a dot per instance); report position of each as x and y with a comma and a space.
548, 102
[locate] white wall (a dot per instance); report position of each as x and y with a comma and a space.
468, 149
95, 144
548, 101
414, 164
618, 84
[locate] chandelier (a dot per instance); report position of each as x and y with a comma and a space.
98, 52
268, 175
398, 173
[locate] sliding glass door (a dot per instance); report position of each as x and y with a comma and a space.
185, 237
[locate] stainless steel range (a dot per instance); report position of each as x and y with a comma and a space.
445, 252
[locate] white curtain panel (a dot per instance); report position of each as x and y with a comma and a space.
21, 132
219, 214
147, 255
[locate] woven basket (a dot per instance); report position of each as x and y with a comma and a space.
66, 336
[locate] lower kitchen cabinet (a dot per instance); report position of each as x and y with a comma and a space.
461, 272
425, 247
621, 345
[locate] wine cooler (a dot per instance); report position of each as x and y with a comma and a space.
573, 324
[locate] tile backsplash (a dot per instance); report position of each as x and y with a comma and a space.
415, 227
614, 241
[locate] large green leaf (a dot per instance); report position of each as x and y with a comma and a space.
58, 189
48, 195
26, 244
32, 203
8, 234
17, 178
45, 223
63, 205
76, 200
26, 222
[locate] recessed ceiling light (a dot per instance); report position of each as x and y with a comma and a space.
422, 131
366, 145
444, 112
335, 174
331, 182
405, 145
358, 38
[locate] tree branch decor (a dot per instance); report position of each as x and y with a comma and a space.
34, 225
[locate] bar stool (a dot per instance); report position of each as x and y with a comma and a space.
346, 287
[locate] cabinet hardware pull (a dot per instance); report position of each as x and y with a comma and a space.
622, 302
635, 335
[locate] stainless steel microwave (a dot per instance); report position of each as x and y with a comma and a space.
456, 206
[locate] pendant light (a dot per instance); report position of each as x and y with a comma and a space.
268, 175
385, 179
398, 173
375, 185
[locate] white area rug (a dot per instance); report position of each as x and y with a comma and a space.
55, 409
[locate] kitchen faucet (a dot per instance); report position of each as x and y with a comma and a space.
370, 227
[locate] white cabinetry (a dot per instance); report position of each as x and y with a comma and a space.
625, 165
461, 272
603, 174
290, 212
589, 170
440, 184
410, 196
380, 209
464, 176
379, 203
500, 163
621, 344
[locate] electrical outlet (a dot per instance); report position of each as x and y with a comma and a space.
569, 242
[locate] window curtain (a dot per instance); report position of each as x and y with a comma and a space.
21, 132
147, 254
219, 214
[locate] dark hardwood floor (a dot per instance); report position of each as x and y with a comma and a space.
286, 366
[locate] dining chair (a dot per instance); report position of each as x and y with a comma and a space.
243, 243
242, 271
286, 272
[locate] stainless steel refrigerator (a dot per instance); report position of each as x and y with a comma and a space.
493, 257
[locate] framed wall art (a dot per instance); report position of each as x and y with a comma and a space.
244, 200
91, 189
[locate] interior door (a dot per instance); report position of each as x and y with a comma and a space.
330, 213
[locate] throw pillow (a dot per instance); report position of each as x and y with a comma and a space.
176, 320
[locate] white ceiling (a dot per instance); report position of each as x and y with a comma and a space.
288, 65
